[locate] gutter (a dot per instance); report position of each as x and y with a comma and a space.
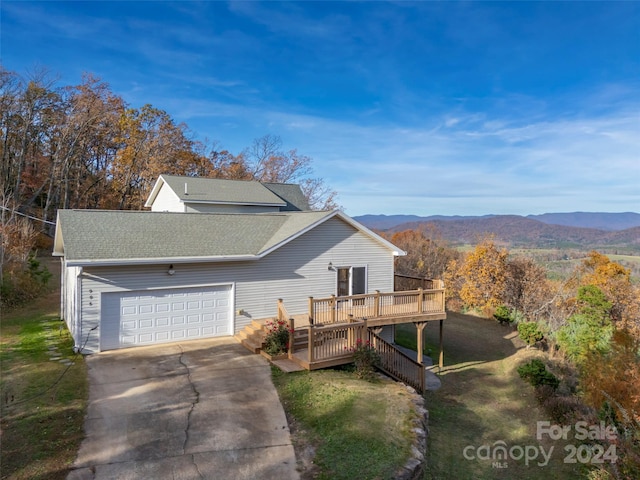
112, 262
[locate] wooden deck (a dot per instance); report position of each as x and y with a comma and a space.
326, 335
380, 308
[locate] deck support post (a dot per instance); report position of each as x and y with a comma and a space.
312, 342
334, 310
441, 359
364, 332
419, 336
292, 327
351, 340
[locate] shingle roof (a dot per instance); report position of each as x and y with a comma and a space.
106, 235
217, 190
290, 193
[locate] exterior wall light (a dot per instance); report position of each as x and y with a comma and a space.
171, 271
331, 267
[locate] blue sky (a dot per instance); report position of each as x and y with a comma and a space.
415, 108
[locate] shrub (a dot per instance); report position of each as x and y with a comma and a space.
22, 283
277, 339
365, 358
537, 374
502, 315
544, 392
565, 410
530, 332
589, 331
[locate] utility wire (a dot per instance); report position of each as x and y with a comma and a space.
25, 215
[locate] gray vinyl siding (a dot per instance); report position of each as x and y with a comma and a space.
293, 272
221, 208
69, 302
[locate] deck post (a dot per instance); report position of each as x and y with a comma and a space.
310, 310
419, 336
350, 332
441, 360
376, 305
419, 303
334, 311
292, 326
364, 331
280, 309
311, 344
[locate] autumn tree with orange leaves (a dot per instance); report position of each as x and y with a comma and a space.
480, 278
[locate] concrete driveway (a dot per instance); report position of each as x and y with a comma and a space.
198, 409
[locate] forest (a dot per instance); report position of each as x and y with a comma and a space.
83, 146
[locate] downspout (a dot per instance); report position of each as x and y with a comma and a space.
78, 312
63, 292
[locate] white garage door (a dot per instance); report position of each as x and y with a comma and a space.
169, 315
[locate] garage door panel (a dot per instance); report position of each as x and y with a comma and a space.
140, 318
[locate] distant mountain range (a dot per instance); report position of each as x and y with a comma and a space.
549, 230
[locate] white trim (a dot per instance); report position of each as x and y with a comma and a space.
159, 260
154, 192
299, 233
358, 226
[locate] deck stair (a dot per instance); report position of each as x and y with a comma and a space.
252, 336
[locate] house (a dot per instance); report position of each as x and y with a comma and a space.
208, 258
173, 193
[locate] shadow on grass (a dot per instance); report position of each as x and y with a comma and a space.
483, 401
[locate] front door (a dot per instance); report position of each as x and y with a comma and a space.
351, 281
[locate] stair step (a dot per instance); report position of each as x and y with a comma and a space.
251, 345
258, 324
287, 365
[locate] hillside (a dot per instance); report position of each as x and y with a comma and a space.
595, 220
517, 231
601, 221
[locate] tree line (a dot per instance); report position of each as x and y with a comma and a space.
83, 146
588, 323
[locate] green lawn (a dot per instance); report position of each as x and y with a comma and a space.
43, 390
483, 401
355, 428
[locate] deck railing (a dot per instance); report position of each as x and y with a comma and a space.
375, 305
397, 364
332, 342
282, 311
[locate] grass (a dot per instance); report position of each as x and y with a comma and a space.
42, 400
356, 429
483, 401
406, 337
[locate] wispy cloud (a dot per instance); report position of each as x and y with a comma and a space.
405, 107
